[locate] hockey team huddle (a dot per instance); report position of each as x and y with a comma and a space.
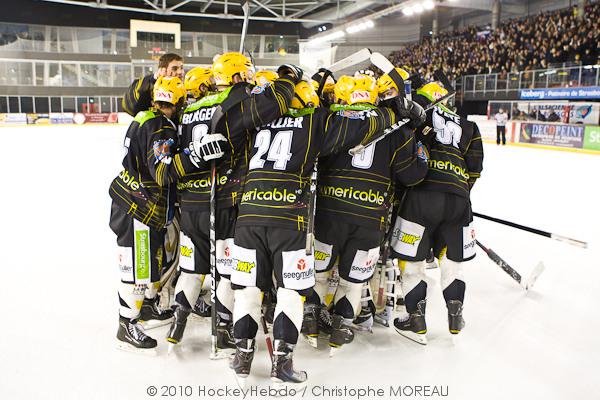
311, 178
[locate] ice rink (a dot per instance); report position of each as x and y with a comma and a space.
60, 277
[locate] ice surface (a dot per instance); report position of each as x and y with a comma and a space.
59, 303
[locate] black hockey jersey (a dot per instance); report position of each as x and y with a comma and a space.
456, 153
139, 95
360, 189
252, 106
282, 157
142, 188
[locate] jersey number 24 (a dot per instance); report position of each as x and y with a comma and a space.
277, 150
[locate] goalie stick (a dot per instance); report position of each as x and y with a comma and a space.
550, 235
528, 284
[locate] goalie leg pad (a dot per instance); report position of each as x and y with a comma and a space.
188, 289
452, 280
347, 299
224, 299
246, 313
289, 313
131, 297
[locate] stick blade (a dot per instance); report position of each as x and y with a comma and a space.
381, 62
353, 59
537, 271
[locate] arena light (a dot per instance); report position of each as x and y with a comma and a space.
417, 8
429, 5
328, 38
407, 11
360, 26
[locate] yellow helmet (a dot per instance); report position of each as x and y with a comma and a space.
304, 96
359, 89
261, 78
385, 83
229, 64
197, 77
169, 89
432, 91
327, 88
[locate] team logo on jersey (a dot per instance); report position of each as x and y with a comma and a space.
351, 114
448, 166
185, 251
227, 252
129, 180
349, 193
245, 266
162, 149
258, 89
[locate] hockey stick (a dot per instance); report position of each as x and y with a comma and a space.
310, 224
217, 115
246, 9
267, 337
550, 235
528, 284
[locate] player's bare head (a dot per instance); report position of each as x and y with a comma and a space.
231, 68
172, 64
356, 90
387, 88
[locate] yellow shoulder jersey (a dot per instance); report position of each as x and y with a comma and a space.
456, 153
359, 189
282, 157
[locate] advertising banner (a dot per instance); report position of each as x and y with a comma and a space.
16, 118
591, 140
38, 119
570, 136
61, 118
592, 92
95, 118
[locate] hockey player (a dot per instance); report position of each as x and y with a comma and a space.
244, 107
437, 214
270, 235
142, 206
354, 196
139, 94
198, 82
264, 77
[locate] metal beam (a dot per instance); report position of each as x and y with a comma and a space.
266, 8
176, 6
184, 14
206, 5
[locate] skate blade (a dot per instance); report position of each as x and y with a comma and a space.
222, 354
171, 348
362, 329
312, 340
333, 350
285, 387
419, 338
241, 380
132, 349
382, 321
537, 271
155, 323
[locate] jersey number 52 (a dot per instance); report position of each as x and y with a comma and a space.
447, 132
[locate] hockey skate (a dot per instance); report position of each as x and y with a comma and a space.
225, 341
131, 337
310, 325
177, 328
242, 360
412, 326
456, 321
282, 371
202, 308
341, 333
152, 316
385, 317
324, 320
364, 321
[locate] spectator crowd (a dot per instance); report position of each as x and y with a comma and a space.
534, 42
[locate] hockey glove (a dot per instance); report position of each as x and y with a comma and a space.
292, 71
405, 108
206, 149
